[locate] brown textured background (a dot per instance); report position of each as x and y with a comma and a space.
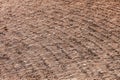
59, 40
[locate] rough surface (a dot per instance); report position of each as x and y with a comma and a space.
59, 40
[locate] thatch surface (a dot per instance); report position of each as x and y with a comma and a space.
59, 40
